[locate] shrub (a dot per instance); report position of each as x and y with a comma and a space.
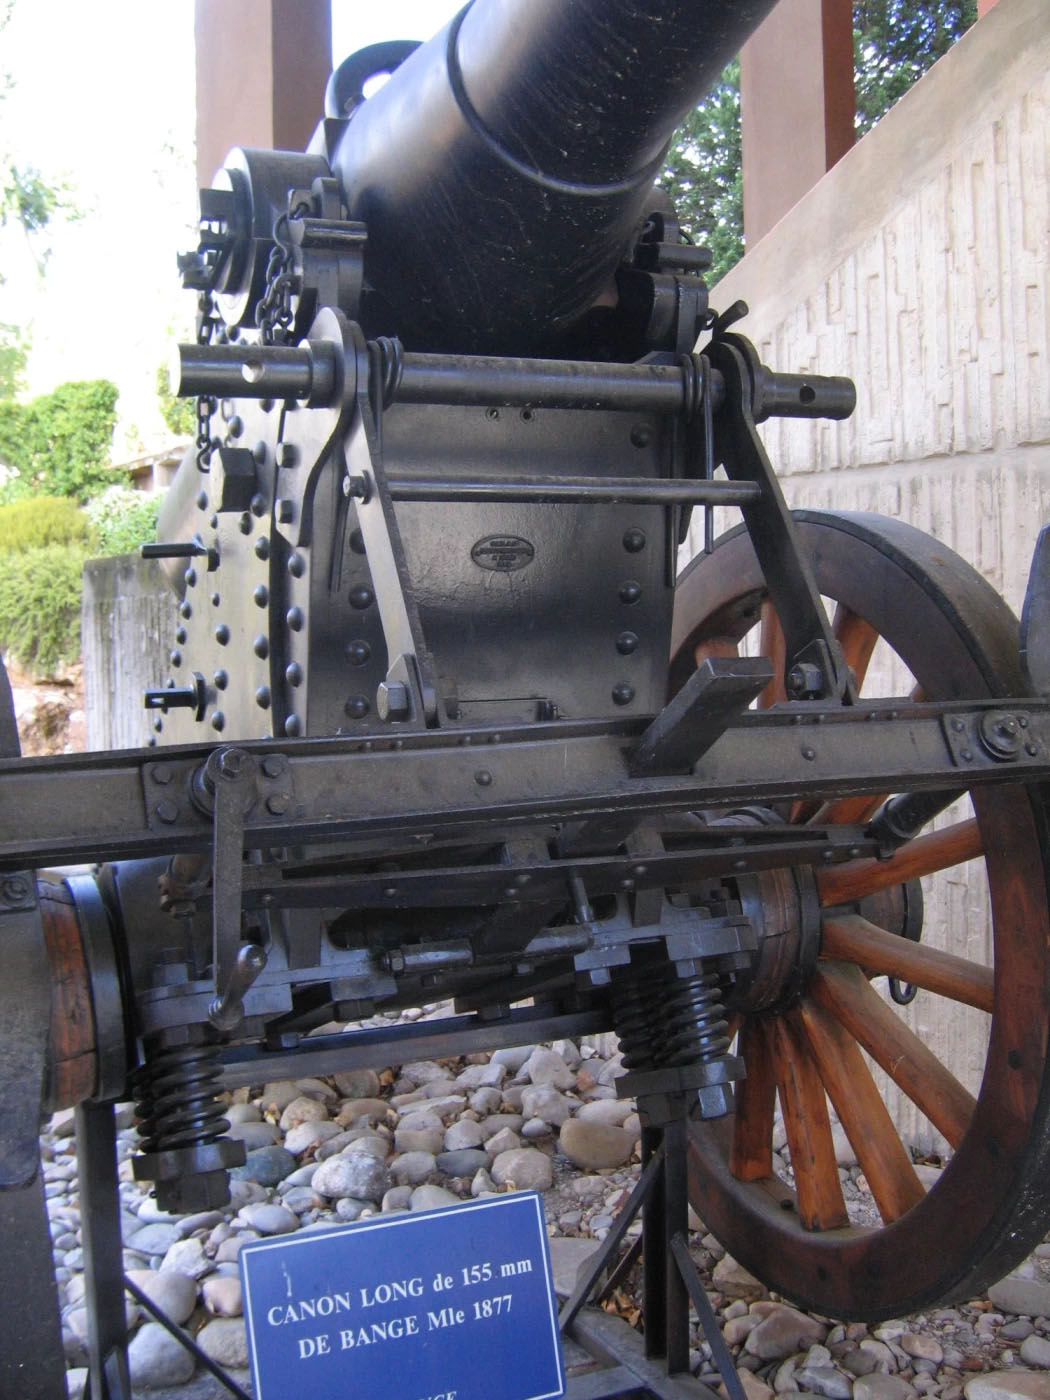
179, 414
59, 443
40, 606
36, 521
123, 519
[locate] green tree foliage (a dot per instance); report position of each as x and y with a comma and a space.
179, 414
39, 521
894, 43
40, 607
122, 519
702, 173
59, 444
32, 202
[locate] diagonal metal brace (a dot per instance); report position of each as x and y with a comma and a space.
699, 714
229, 780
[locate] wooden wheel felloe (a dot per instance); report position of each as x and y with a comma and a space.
893, 588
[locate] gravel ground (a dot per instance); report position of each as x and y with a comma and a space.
325, 1151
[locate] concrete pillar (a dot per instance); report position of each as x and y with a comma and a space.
796, 105
262, 66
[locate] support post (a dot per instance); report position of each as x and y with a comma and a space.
796, 106
262, 67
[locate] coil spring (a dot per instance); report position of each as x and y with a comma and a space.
386, 361
695, 1027
663, 1020
175, 1098
692, 368
636, 1006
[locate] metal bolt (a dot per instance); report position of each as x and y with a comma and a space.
805, 681
274, 765
1000, 735
277, 804
715, 1100
287, 454
15, 889
232, 762
285, 512
167, 811
483, 777
808, 752
393, 701
161, 773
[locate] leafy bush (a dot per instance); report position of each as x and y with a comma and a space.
59, 443
179, 414
37, 521
40, 606
123, 519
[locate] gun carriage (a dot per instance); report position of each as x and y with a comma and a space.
441, 722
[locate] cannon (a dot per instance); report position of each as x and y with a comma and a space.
443, 721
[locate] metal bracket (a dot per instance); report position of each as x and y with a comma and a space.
792, 587
699, 714
409, 693
1035, 618
1005, 736
229, 777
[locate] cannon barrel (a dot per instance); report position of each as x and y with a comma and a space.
503, 171
504, 168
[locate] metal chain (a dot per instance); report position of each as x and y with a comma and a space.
207, 319
274, 314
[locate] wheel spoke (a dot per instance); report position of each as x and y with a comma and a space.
849, 938
771, 643
848, 810
820, 1202
938, 850
751, 1154
914, 1068
857, 639
882, 1156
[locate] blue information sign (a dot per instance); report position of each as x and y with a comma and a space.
451, 1304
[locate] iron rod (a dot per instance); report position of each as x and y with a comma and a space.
546, 490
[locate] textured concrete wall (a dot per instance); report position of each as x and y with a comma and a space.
918, 266
126, 618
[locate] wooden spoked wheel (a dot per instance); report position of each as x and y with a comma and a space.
892, 587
